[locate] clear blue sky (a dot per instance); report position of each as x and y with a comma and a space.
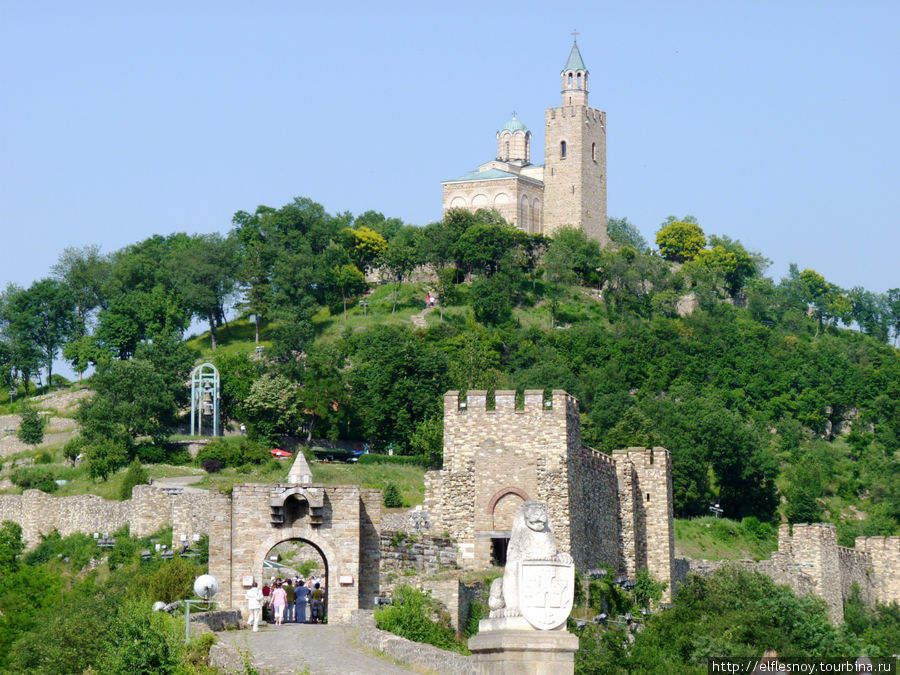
773, 122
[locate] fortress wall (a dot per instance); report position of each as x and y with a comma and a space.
813, 550
856, 568
39, 514
593, 508
647, 539
148, 510
885, 575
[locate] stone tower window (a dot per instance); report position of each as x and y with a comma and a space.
570, 80
562, 149
594, 151
579, 80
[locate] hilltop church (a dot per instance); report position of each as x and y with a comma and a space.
570, 187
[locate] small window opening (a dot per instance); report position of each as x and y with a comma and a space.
579, 80
648, 496
594, 151
562, 149
570, 80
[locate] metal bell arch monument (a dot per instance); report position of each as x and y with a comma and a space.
205, 388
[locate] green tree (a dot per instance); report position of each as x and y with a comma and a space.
272, 408
364, 245
136, 475
397, 379
392, 499
42, 318
131, 399
624, 233
82, 352
491, 298
254, 260
349, 280
205, 273
11, 546
680, 240
85, 271
31, 427
400, 258
486, 244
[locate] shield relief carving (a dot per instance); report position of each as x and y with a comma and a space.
546, 592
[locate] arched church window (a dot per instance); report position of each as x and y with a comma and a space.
579, 80
562, 149
570, 80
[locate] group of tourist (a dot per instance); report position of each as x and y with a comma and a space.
286, 600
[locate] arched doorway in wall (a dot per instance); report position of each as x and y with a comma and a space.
502, 508
296, 559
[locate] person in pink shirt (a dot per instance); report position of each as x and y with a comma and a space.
279, 599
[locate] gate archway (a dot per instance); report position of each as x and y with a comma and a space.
340, 521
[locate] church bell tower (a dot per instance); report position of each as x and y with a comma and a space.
575, 157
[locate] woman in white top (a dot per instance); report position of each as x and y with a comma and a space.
254, 604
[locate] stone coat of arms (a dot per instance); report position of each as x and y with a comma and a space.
546, 592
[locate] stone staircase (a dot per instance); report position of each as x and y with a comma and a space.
419, 319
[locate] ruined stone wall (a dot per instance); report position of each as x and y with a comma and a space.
401, 554
813, 550
148, 510
810, 561
885, 575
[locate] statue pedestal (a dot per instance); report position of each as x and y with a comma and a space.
510, 646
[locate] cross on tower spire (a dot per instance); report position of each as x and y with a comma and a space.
574, 35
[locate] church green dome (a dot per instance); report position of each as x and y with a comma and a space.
514, 125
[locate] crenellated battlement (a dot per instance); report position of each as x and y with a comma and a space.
506, 401
854, 556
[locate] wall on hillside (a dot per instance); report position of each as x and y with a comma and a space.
148, 510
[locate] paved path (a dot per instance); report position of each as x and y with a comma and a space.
326, 650
183, 482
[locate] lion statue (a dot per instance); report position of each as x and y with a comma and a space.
532, 539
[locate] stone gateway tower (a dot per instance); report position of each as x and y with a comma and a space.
569, 189
614, 509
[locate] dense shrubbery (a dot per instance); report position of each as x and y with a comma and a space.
415, 616
732, 613
35, 478
99, 621
233, 452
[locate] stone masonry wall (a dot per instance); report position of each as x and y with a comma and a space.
148, 510
856, 568
647, 513
369, 546
885, 576
808, 560
814, 550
